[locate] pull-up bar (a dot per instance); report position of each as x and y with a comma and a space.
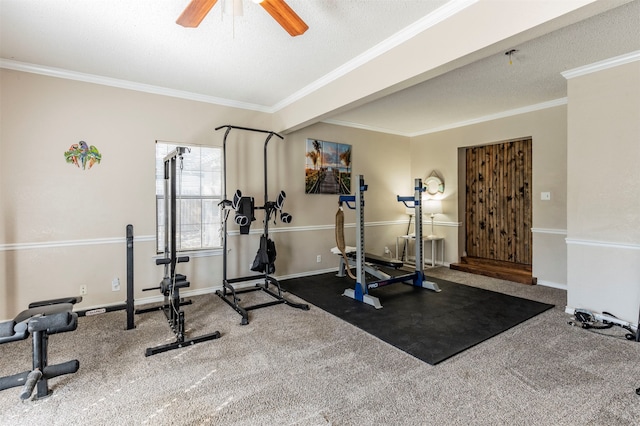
224, 150
228, 292
229, 127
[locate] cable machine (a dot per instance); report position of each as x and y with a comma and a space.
264, 262
172, 282
363, 260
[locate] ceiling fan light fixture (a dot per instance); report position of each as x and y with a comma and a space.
279, 10
233, 8
286, 17
195, 12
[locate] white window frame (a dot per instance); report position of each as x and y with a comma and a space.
199, 189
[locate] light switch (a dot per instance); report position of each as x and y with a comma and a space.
545, 196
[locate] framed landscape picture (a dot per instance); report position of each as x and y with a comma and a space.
327, 167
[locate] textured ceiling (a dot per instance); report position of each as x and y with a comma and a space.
246, 59
249, 61
492, 85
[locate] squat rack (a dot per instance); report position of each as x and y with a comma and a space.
228, 293
416, 278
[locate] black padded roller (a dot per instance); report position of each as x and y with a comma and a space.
286, 218
68, 367
30, 384
54, 323
280, 200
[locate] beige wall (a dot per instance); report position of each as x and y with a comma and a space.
547, 127
382, 159
63, 227
604, 186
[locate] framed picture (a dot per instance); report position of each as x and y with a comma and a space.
327, 167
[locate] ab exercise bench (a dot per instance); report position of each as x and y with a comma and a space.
40, 321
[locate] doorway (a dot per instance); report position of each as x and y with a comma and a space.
498, 212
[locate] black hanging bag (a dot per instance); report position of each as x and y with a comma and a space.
266, 257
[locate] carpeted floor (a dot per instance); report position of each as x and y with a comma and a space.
432, 326
294, 367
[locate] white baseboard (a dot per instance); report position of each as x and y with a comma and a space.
159, 298
552, 284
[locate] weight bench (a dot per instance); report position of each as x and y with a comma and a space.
378, 260
371, 262
392, 274
40, 321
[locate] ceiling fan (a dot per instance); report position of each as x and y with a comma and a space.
195, 12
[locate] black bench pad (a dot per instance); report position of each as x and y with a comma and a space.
50, 318
378, 260
73, 300
43, 310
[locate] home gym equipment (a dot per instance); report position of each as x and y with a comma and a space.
340, 243
172, 282
594, 321
367, 263
128, 304
40, 321
264, 262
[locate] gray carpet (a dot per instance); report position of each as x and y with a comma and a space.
293, 367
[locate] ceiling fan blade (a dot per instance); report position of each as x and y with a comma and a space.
286, 17
195, 12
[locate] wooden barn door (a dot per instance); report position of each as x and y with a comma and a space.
498, 201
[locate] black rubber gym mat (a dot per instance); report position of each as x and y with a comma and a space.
428, 325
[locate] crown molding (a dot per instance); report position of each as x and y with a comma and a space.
439, 15
442, 13
157, 90
602, 65
125, 84
504, 114
365, 127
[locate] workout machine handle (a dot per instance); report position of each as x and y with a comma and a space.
347, 199
167, 260
411, 199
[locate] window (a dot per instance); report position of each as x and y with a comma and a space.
199, 191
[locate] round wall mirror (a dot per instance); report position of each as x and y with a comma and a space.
434, 185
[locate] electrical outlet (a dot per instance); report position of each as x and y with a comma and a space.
83, 290
386, 250
545, 196
319, 258
115, 284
